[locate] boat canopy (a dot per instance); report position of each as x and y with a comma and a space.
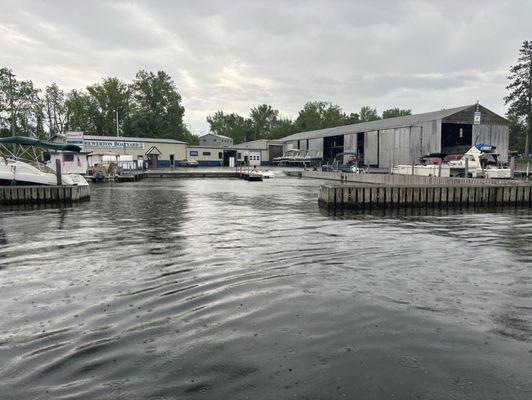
26, 141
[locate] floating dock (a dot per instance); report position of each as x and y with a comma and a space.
13, 195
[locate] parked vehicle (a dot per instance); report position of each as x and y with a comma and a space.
188, 163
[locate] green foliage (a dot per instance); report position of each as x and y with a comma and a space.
231, 125
264, 121
19, 101
107, 98
517, 133
54, 110
81, 110
263, 118
157, 109
319, 115
368, 114
395, 112
520, 88
150, 106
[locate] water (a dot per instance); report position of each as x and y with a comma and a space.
226, 289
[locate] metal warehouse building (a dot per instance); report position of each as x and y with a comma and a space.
402, 140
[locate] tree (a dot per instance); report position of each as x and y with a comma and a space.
319, 115
19, 101
55, 106
108, 98
238, 128
395, 112
353, 118
157, 107
82, 110
520, 87
264, 118
517, 132
368, 114
284, 127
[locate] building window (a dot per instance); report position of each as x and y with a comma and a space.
220, 155
193, 153
206, 153
239, 156
68, 157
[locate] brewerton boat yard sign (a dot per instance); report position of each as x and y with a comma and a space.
113, 144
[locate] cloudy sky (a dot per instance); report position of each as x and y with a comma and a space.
233, 55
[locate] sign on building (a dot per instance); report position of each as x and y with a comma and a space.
113, 144
75, 138
476, 120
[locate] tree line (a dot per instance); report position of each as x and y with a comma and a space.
148, 106
265, 122
520, 100
151, 106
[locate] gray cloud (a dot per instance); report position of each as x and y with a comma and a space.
233, 55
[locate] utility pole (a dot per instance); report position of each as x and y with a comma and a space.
116, 123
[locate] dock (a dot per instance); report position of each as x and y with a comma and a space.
368, 196
190, 174
14, 195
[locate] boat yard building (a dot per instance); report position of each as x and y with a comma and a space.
159, 153
403, 140
257, 152
214, 140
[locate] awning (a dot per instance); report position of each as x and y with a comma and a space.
26, 141
153, 151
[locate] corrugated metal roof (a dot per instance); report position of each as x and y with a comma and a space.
133, 139
258, 144
380, 124
215, 134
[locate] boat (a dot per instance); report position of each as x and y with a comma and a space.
346, 161
429, 165
22, 162
480, 161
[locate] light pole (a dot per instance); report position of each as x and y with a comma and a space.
116, 123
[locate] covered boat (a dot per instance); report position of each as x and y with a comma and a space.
22, 162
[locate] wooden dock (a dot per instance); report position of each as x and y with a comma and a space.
375, 196
14, 195
190, 174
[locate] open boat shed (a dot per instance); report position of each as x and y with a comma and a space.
403, 140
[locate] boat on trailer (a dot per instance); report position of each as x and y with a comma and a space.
22, 162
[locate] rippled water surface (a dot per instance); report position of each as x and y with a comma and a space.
226, 289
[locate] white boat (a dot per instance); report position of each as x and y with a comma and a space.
482, 162
17, 171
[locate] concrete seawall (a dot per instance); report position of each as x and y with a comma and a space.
363, 196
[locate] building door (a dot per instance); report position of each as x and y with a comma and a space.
172, 161
152, 161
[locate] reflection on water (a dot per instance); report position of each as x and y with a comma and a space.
231, 289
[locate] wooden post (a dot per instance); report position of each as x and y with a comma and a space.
439, 170
466, 172
414, 166
58, 171
512, 167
